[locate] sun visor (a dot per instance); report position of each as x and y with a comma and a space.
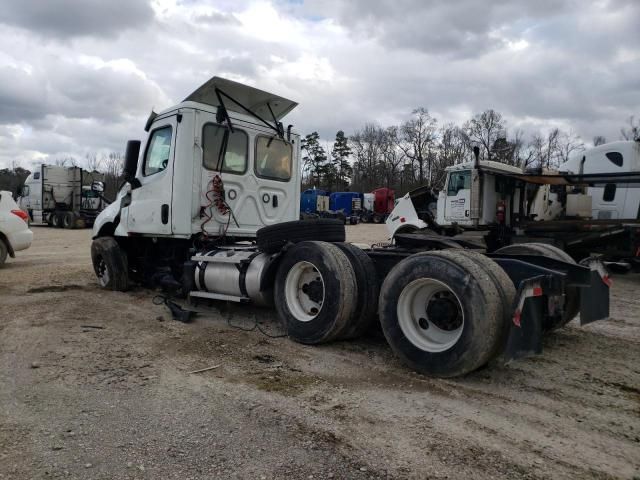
256, 100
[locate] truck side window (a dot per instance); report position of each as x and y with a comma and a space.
609, 192
235, 158
273, 158
158, 149
36, 176
25, 190
458, 181
615, 158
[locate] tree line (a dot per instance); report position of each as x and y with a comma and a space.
418, 151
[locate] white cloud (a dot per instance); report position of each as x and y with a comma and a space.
69, 89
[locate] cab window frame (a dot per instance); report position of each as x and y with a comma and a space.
255, 159
225, 170
466, 173
148, 146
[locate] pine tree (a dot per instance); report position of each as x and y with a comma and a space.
315, 158
340, 159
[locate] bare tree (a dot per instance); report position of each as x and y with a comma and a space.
93, 162
632, 132
484, 129
112, 167
599, 140
569, 142
367, 146
452, 148
417, 141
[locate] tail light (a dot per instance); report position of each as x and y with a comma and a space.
22, 214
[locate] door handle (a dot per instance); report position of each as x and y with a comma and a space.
274, 200
164, 213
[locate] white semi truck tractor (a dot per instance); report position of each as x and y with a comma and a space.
62, 197
210, 205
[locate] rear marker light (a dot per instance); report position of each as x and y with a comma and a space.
402, 219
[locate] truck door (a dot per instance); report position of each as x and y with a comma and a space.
259, 192
457, 202
150, 208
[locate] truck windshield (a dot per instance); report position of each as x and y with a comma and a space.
273, 158
235, 159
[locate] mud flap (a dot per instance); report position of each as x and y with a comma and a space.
594, 299
525, 334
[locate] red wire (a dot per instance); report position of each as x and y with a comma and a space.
215, 196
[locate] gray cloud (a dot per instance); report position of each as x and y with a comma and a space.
70, 18
541, 64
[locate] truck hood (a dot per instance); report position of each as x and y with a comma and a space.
257, 100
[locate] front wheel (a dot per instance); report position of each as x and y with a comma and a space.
110, 264
441, 313
4, 251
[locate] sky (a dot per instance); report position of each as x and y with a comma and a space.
80, 77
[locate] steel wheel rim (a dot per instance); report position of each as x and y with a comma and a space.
416, 311
303, 288
102, 272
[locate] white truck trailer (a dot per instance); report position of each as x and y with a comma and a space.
62, 197
210, 209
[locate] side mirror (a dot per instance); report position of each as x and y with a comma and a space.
131, 160
97, 186
19, 192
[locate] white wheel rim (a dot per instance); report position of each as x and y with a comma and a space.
304, 291
102, 273
430, 315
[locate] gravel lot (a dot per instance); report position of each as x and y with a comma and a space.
118, 401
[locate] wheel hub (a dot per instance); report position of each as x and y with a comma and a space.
430, 315
304, 291
444, 311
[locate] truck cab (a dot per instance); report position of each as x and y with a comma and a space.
182, 187
609, 201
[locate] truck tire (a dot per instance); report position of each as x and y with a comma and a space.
315, 292
110, 264
4, 251
572, 294
69, 220
368, 291
59, 219
51, 220
464, 304
271, 239
505, 286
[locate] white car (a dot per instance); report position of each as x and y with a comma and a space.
14, 227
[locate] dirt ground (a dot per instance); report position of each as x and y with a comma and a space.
96, 385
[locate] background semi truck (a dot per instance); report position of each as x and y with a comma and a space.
497, 205
209, 210
63, 197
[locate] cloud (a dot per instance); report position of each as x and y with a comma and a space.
71, 18
82, 75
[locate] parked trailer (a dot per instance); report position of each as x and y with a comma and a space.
314, 201
63, 197
219, 224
